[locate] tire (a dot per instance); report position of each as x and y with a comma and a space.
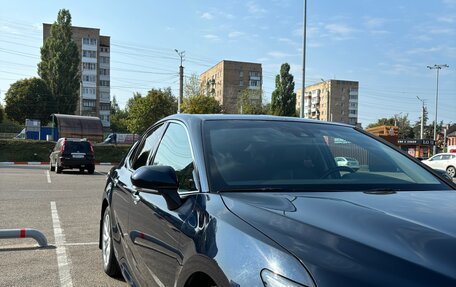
451, 170
91, 169
58, 169
51, 167
110, 264
81, 170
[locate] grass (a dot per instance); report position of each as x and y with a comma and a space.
30, 150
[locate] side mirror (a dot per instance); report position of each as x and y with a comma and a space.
158, 179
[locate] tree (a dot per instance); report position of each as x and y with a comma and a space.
201, 104
249, 102
1, 113
60, 62
29, 99
118, 117
192, 86
144, 111
283, 101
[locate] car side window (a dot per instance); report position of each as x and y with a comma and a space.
445, 157
437, 157
147, 147
174, 151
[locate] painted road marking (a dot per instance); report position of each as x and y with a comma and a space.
48, 176
62, 259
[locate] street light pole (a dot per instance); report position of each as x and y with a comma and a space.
438, 68
422, 117
301, 114
181, 80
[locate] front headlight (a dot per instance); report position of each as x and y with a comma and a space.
271, 279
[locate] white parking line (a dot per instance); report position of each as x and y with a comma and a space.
48, 176
62, 260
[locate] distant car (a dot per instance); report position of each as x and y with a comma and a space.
234, 200
72, 153
443, 161
347, 161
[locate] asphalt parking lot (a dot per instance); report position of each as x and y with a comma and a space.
66, 208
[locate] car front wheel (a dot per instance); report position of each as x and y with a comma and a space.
51, 167
110, 265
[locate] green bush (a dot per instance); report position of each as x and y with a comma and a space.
30, 150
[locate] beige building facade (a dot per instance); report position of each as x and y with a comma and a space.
94, 94
331, 100
227, 80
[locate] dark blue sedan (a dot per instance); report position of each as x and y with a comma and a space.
226, 200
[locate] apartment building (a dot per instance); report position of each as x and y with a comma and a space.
228, 79
331, 100
94, 49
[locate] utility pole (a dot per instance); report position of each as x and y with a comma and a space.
422, 118
80, 98
437, 68
181, 80
301, 113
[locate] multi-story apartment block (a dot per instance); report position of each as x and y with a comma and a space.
94, 94
331, 100
228, 79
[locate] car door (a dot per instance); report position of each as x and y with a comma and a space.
124, 193
435, 161
445, 161
157, 228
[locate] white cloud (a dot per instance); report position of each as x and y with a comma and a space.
235, 34
372, 23
211, 37
424, 50
207, 16
340, 29
255, 9
278, 54
9, 30
442, 31
447, 19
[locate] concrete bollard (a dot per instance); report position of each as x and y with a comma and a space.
24, 233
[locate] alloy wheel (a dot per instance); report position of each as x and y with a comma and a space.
106, 242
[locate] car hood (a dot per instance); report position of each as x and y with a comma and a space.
395, 239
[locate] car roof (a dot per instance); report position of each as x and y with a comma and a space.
192, 118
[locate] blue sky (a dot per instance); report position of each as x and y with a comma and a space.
385, 45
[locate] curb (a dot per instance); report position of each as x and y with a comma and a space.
45, 163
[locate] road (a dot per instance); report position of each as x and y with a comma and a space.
66, 208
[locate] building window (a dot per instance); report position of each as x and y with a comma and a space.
353, 105
241, 83
104, 83
353, 97
104, 95
89, 103
241, 74
104, 60
89, 54
89, 78
89, 91
89, 41
254, 74
104, 49
254, 83
89, 66
105, 107
104, 72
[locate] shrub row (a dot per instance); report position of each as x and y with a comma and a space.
29, 150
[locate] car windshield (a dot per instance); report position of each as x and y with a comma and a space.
273, 155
